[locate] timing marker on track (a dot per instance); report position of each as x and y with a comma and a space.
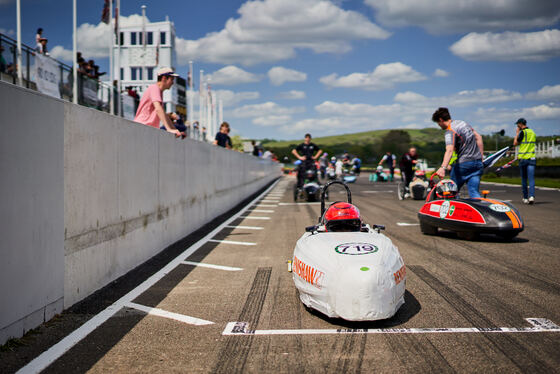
211, 266
245, 227
231, 242
539, 325
46, 358
163, 313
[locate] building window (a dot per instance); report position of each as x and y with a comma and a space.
140, 38
150, 72
133, 38
136, 74
122, 38
150, 37
122, 74
162, 37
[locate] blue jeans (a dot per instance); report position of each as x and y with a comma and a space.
527, 170
468, 172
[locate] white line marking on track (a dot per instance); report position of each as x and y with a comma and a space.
251, 217
270, 201
163, 313
245, 227
539, 325
262, 211
46, 358
265, 205
302, 203
378, 191
407, 224
211, 266
231, 242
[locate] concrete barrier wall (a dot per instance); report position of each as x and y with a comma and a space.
31, 209
123, 192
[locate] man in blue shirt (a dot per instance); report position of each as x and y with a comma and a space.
222, 138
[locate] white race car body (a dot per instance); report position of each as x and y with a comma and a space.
357, 276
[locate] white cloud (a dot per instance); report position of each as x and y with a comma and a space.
93, 40
509, 115
230, 98
545, 93
272, 30
231, 75
459, 99
292, 95
509, 46
268, 121
383, 77
279, 75
444, 16
264, 109
441, 73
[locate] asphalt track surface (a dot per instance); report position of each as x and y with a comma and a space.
480, 286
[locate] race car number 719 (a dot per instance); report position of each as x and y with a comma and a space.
356, 248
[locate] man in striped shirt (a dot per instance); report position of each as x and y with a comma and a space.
467, 143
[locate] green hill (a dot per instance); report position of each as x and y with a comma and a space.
371, 145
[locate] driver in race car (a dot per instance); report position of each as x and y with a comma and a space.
307, 153
342, 217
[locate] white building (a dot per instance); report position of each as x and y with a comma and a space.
144, 48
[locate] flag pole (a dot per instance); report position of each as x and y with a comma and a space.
200, 104
18, 63
74, 51
190, 112
118, 58
111, 72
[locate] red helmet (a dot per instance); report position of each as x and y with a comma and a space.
342, 217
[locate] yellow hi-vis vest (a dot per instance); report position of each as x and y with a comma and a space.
453, 158
527, 146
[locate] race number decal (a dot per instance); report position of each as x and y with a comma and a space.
444, 209
355, 249
500, 208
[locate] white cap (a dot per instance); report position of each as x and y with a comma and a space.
167, 71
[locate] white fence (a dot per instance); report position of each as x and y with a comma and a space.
545, 150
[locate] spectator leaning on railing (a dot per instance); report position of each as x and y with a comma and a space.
222, 137
150, 110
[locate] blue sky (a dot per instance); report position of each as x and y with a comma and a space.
286, 67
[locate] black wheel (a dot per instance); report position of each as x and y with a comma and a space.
507, 235
467, 235
428, 229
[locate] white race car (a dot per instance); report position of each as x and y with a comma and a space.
345, 268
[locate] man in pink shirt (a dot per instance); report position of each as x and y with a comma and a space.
150, 110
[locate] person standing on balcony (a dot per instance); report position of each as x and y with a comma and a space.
150, 110
526, 139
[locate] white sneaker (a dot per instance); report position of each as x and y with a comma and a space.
531, 200
525, 201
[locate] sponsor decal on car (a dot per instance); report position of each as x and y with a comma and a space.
435, 208
355, 249
308, 273
400, 274
451, 210
502, 208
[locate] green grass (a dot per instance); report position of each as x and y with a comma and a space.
540, 182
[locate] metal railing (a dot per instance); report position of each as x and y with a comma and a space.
92, 93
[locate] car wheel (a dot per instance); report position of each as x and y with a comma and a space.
428, 229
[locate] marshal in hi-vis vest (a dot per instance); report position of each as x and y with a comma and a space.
527, 146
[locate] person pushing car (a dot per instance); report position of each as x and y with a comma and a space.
307, 153
467, 143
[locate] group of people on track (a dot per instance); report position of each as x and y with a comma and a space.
463, 157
